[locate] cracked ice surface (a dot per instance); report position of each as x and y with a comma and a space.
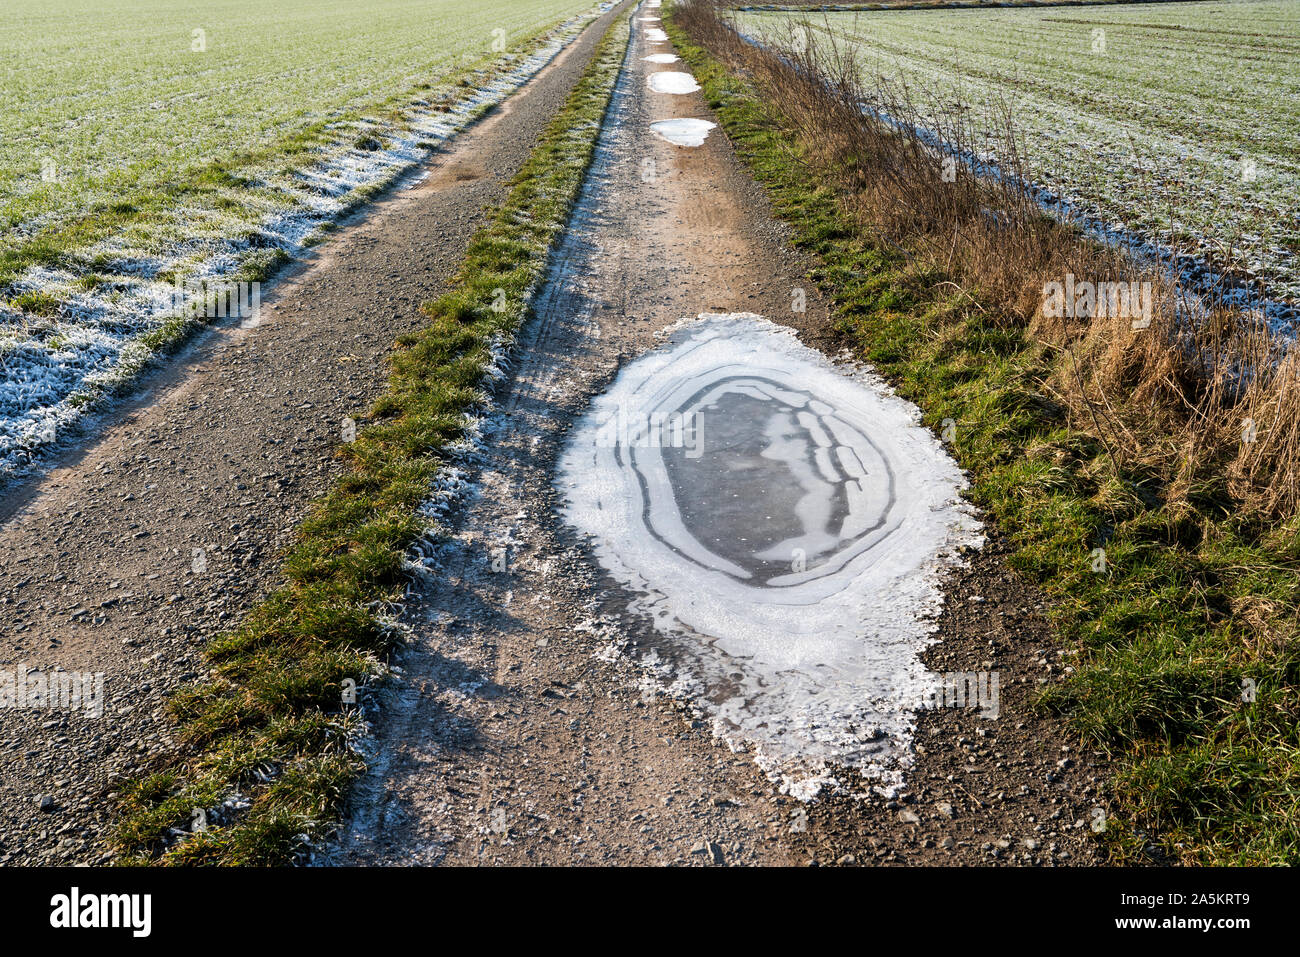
785, 526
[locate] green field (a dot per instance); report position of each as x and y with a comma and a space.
1179, 123
114, 94
146, 142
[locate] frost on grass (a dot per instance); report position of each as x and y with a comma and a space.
785, 526
69, 335
1142, 122
1170, 128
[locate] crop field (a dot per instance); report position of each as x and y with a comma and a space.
145, 144
1174, 125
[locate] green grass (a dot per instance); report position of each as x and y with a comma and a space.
1189, 604
268, 735
138, 126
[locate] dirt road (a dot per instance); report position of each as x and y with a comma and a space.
522, 732
164, 525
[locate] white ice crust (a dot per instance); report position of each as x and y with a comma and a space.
683, 132
811, 669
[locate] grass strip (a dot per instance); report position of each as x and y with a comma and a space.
1179, 624
267, 761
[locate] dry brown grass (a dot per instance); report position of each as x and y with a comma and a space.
1204, 396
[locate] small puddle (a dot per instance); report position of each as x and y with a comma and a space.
661, 58
671, 81
683, 132
784, 525
656, 36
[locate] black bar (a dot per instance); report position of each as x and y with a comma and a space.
347, 908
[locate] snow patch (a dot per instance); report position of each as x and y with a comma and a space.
683, 132
671, 81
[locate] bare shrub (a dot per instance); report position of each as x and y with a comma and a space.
1198, 392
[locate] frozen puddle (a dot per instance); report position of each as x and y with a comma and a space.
785, 526
661, 58
670, 81
656, 36
683, 132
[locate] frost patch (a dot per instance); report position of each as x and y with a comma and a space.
683, 132
785, 526
671, 81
